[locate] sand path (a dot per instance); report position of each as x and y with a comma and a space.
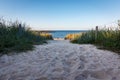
61, 60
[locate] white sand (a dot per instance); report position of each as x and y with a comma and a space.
58, 38
61, 60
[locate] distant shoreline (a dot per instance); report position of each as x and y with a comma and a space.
60, 33
59, 30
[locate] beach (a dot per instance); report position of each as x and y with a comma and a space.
58, 39
61, 60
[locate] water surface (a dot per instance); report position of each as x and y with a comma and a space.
63, 33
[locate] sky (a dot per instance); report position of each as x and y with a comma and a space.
61, 14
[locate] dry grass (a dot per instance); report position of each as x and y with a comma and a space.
46, 35
73, 36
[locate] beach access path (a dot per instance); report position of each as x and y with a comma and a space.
61, 60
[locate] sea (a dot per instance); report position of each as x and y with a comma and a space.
63, 33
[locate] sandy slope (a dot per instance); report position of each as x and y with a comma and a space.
61, 60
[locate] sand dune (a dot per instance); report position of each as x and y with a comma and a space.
61, 60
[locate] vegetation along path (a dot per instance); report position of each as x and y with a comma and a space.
61, 60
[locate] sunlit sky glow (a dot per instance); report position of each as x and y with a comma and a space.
61, 14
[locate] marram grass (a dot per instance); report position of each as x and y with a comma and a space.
46, 35
16, 37
105, 38
73, 36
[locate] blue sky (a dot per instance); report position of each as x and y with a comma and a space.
61, 14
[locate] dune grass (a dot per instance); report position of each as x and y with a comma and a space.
105, 39
17, 37
72, 36
47, 36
